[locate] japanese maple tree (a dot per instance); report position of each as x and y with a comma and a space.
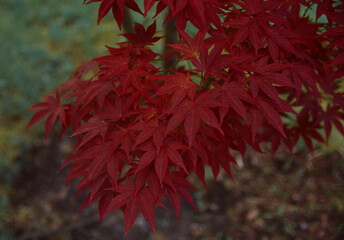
255, 72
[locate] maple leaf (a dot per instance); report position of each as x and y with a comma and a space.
211, 62
332, 115
133, 200
230, 95
197, 52
265, 75
149, 129
117, 7
221, 156
195, 48
143, 37
154, 185
188, 9
278, 38
99, 155
116, 109
124, 136
53, 109
305, 33
176, 185
160, 157
99, 88
303, 74
254, 17
94, 127
295, 6
180, 85
198, 155
191, 112
270, 114
148, 4
332, 13
133, 77
308, 130
114, 64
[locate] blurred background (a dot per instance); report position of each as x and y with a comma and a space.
298, 196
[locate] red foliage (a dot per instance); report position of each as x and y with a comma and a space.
141, 130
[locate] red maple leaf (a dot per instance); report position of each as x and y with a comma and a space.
94, 127
133, 196
160, 157
231, 94
180, 85
264, 76
53, 109
143, 37
191, 112
117, 7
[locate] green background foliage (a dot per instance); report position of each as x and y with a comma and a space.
42, 41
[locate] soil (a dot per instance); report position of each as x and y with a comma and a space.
298, 196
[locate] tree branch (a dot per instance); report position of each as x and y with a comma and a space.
128, 25
171, 37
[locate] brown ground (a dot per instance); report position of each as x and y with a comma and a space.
288, 197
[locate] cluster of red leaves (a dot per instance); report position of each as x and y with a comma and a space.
141, 130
